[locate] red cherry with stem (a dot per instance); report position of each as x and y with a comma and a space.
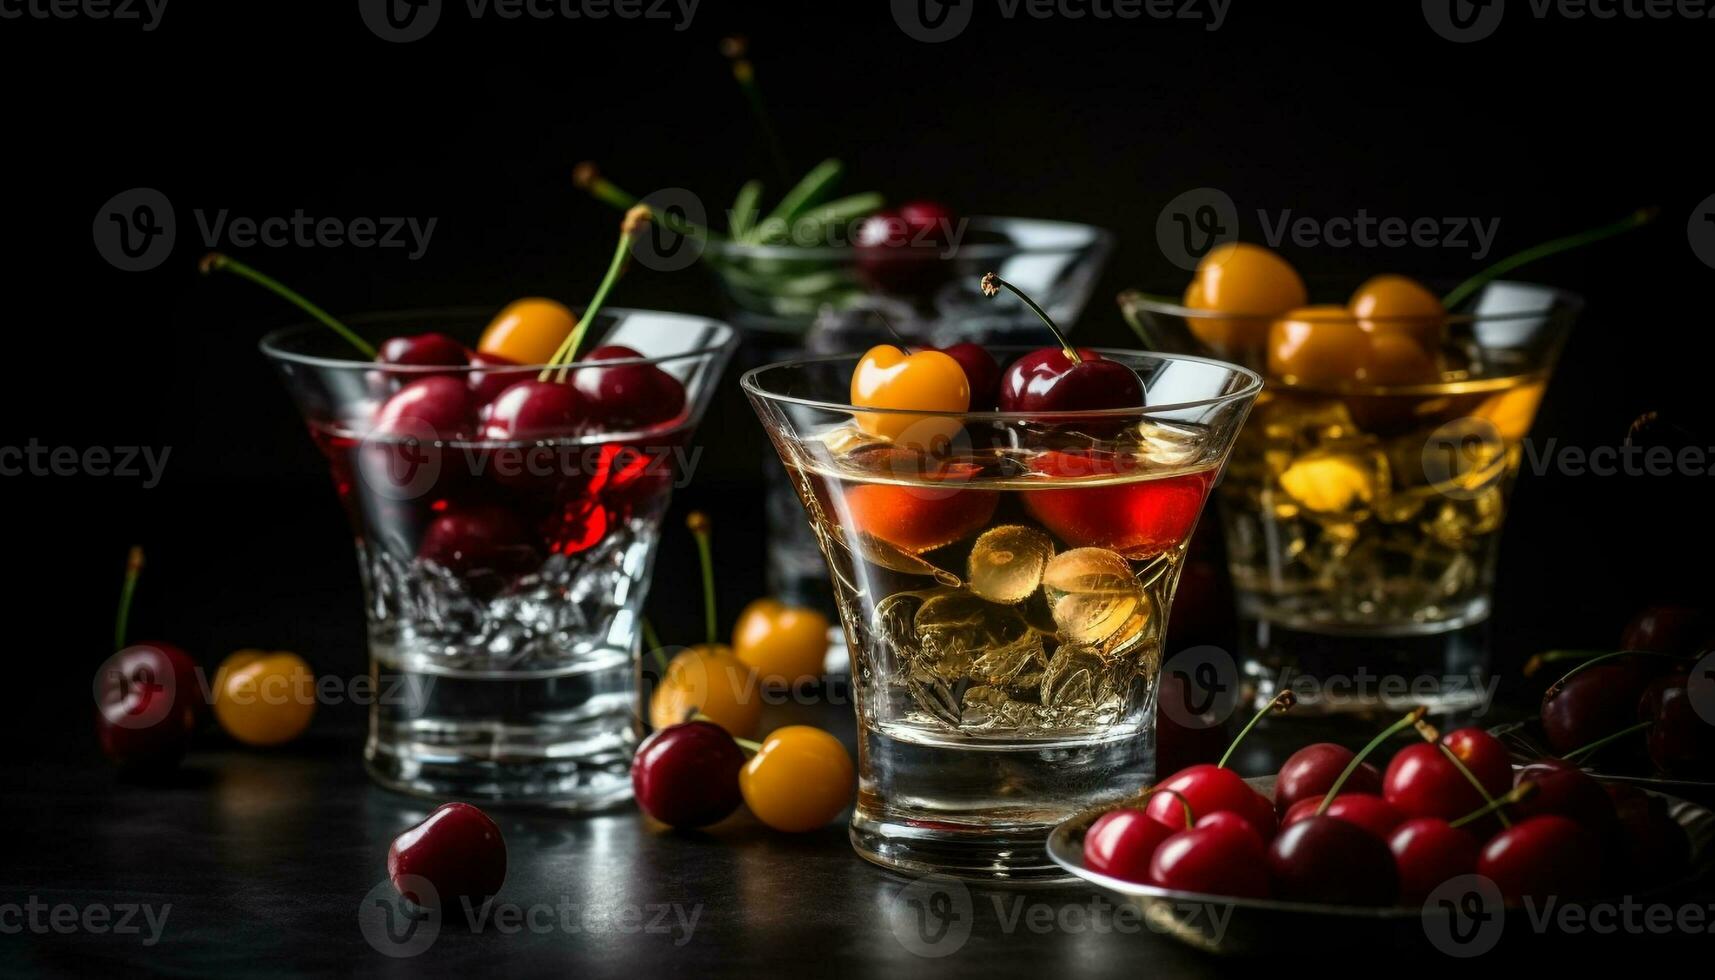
147, 695
1063, 378
1592, 700
626, 397
457, 849
981, 371
1207, 789
1564, 789
1484, 755
1309, 772
1433, 779
479, 537
1667, 629
1541, 857
1428, 851
423, 350
1648, 848
493, 375
1324, 860
1219, 860
532, 410
432, 408
687, 775
1365, 810
1121, 843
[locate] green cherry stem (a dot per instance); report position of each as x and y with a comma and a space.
635, 221
698, 522
1641, 216
746, 744
654, 643
221, 262
1584, 750
1281, 702
1518, 794
1554, 688
1390, 731
1433, 737
122, 622
587, 176
993, 284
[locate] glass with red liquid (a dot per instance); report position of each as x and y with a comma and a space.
504, 578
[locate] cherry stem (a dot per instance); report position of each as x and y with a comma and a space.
1541, 660
635, 221
1433, 737
888, 325
654, 643
989, 284
1282, 702
737, 50
1518, 794
221, 262
1637, 218
122, 622
588, 177
1606, 739
1184, 804
698, 522
1390, 731
1554, 688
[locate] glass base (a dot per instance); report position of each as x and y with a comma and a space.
1368, 671
984, 809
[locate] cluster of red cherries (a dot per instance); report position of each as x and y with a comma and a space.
1340, 832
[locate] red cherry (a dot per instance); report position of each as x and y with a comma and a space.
1121, 842
1679, 741
1428, 851
1484, 755
423, 350
1210, 789
687, 775
1311, 771
1321, 859
627, 397
904, 251
481, 537
1564, 789
1667, 629
532, 410
457, 849
981, 371
1137, 518
496, 375
1541, 857
148, 698
437, 407
1422, 782
1228, 818
1365, 810
1217, 860
1047, 380
1595, 702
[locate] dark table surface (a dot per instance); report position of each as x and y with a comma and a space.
254, 862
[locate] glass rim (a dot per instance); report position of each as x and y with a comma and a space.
1155, 303
1253, 386
727, 248
270, 344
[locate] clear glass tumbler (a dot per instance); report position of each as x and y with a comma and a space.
1004, 582
1362, 519
504, 579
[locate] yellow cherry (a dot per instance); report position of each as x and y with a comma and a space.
1249, 281
782, 644
799, 779
927, 381
1317, 345
1394, 304
528, 331
707, 679
264, 698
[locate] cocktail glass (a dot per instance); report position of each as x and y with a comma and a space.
1004, 581
504, 581
1362, 520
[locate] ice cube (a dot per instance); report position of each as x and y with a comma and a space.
1461, 519
954, 631
1339, 484
1133, 630
1092, 594
1006, 665
1006, 563
1165, 444
1080, 678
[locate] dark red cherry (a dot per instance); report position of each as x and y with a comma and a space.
433, 408
457, 849
1365, 810
628, 397
1218, 860
532, 410
981, 372
1667, 629
480, 537
1679, 741
493, 375
1121, 843
1542, 857
1427, 852
423, 350
1329, 861
148, 699
1311, 771
687, 775
1647, 848
1047, 380
904, 251
1593, 703
1209, 789
1564, 789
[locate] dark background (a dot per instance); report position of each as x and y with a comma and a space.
1550, 126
